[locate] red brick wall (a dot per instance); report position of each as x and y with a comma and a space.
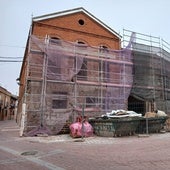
69, 29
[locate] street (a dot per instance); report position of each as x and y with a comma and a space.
94, 153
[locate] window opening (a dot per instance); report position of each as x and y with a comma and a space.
81, 21
103, 49
83, 71
104, 71
91, 101
82, 74
59, 100
55, 41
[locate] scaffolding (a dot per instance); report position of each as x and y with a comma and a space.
64, 77
151, 70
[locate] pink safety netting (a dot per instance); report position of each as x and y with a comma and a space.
61, 61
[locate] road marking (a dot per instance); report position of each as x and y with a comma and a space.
12, 161
4, 130
50, 153
32, 159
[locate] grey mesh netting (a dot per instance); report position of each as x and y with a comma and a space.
151, 70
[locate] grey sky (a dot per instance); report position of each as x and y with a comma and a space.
143, 16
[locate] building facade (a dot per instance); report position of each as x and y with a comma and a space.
7, 105
73, 62
74, 65
151, 73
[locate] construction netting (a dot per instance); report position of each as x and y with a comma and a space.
151, 70
64, 79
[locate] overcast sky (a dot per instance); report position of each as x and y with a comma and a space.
150, 17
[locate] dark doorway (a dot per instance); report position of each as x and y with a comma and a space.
136, 104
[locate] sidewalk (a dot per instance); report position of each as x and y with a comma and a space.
93, 153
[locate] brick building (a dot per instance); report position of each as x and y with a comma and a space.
72, 62
7, 104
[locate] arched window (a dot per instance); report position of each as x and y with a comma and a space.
55, 41
103, 48
82, 44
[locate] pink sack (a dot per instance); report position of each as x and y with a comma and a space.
77, 131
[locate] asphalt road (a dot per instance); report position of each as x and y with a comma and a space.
95, 153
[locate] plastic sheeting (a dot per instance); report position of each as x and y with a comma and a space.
81, 128
121, 114
71, 74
